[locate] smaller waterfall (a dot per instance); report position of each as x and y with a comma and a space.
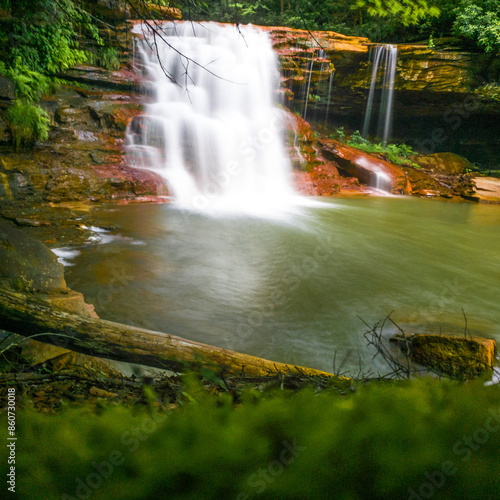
383, 182
384, 58
307, 89
330, 83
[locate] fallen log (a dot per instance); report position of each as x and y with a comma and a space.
33, 315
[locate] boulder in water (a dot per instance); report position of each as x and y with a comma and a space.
27, 264
451, 356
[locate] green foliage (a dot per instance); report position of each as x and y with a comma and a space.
378, 443
377, 19
30, 85
27, 122
395, 153
380, 20
430, 44
108, 58
489, 91
479, 25
44, 35
294, 13
408, 12
340, 134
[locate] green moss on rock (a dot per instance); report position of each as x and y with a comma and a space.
451, 356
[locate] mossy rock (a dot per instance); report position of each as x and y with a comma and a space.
455, 357
27, 264
444, 163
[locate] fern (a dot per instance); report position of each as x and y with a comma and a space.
27, 122
30, 85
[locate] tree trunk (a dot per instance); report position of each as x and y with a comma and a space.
29, 315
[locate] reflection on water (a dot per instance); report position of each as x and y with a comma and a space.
295, 290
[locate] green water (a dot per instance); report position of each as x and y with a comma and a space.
298, 288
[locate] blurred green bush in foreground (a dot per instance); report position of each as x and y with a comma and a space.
418, 439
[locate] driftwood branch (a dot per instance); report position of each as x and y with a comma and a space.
30, 315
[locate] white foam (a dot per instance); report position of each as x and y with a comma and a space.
64, 254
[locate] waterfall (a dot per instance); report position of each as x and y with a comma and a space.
330, 83
307, 88
384, 58
212, 129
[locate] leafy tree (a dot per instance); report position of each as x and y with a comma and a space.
44, 34
409, 12
479, 23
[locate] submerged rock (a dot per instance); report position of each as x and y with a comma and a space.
451, 356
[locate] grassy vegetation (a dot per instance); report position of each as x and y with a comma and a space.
28, 123
383, 441
395, 153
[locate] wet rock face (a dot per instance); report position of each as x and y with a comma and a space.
304, 59
311, 65
7, 88
435, 106
84, 158
112, 8
314, 174
27, 264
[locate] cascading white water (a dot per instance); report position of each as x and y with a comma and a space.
213, 130
384, 58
